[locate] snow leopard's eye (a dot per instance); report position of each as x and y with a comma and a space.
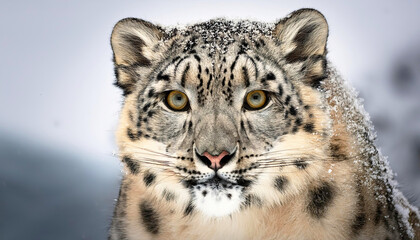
177, 101
255, 100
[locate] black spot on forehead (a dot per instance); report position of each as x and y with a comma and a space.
271, 76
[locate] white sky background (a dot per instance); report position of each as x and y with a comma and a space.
56, 72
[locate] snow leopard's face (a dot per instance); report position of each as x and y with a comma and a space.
223, 116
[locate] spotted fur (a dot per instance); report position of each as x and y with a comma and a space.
302, 167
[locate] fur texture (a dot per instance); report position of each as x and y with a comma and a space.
303, 166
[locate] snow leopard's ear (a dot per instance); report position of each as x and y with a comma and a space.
303, 38
132, 42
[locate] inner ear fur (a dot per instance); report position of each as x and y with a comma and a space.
303, 38
132, 43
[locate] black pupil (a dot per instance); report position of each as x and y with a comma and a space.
179, 97
256, 96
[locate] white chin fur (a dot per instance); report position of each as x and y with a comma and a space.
217, 201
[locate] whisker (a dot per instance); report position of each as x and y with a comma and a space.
151, 151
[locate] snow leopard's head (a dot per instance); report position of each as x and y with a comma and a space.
223, 116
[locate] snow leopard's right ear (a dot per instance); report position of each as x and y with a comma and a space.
132, 42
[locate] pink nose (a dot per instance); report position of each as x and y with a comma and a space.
215, 160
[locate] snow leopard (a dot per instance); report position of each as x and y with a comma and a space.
244, 130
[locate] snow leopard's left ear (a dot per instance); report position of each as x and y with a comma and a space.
303, 38
132, 42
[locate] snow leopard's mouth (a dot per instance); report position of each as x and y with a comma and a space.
218, 183
217, 197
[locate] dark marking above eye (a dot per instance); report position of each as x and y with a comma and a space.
246, 76
320, 198
149, 217
184, 75
280, 183
149, 178
270, 76
162, 76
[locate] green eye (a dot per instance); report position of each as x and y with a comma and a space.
255, 100
177, 101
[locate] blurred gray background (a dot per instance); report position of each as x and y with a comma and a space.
58, 107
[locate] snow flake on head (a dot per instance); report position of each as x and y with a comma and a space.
218, 34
